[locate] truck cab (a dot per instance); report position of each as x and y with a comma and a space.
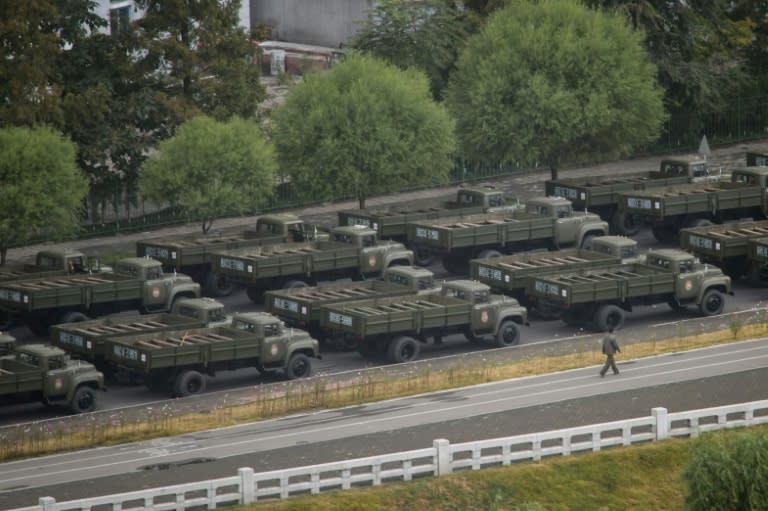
375, 255
694, 167
286, 227
210, 312
618, 246
413, 277
486, 197
757, 159
692, 277
570, 227
279, 344
7, 345
757, 176
159, 290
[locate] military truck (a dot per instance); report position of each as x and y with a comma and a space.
351, 252
396, 326
301, 306
670, 209
727, 246
85, 339
137, 284
178, 361
193, 254
512, 274
40, 373
758, 257
391, 223
601, 297
546, 222
601, 194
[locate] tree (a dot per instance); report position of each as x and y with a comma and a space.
552, 81
727, 471
425, 34
195, 53
211, 169
41, 187
363, 128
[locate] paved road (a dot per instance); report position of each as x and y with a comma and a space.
694, 379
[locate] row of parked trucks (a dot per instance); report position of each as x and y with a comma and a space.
178, 339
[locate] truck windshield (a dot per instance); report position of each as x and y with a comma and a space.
243, 325
744, 178
563, 211
628, 252
495, 201
154, 273
686, 266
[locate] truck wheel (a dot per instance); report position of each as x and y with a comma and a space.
423, 256
256, 294
39, 326
455, 264
508, 334
188, 383
664, 233
299, 366
675, 305
700, 222
83, 401
403, 349
586, 242
489, 254
608, 316
74, 317
712, 303
295, 284
572, 318
624, 224
217, 285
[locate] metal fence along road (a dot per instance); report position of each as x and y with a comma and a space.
441, 459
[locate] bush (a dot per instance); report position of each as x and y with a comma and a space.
728, 472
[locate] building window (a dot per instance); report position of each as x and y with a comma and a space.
119, 18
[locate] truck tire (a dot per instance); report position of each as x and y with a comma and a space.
624, 224
489, 254
712, 303
675, 305
256, 294
423, 256
187, 383
664, 233
217, 285
700, 222
508, 334
83, 401
39, 326
74, 317
608, 316
455, 264
295, 284
299, 366
586, 242
403, 349
572, 318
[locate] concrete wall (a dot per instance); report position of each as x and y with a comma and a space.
319, 22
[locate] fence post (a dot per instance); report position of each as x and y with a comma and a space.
443, 456
246, 485
662, 422
47, 503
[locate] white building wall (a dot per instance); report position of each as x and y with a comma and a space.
103, 8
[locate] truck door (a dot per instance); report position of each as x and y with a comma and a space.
566, 226
156, 289
687, 282
484, 314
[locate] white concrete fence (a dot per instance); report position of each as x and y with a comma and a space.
440, 459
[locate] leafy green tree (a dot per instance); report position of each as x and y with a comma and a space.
196, 53
727, 471
425, 34
211, 169
553, 81
363, 128
41, 187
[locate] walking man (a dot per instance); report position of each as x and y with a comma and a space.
610, 348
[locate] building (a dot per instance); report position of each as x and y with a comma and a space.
122, 12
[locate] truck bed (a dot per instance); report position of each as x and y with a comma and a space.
301, 304
691, 199
722, 241
596, 191
513, 272
391, 223
86, 339
396, 314
195, 250
17, 377
604, 284
182, 347
479, 230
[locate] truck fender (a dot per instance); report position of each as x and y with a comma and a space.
722, 284
186, 291
400, 255
598, 228
310, 347
80, 381
511, 315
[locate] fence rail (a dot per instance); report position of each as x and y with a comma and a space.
441, 459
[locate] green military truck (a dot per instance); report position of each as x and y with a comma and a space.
601, 297
546, 222
391, 223
136, 284
178, 361
670, 209
85, 339
351, 252
513, 274
301, 306
396, 326
35, 373
758, 257
725, 245
192, 255
602, 194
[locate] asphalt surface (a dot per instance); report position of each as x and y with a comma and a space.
682, 381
